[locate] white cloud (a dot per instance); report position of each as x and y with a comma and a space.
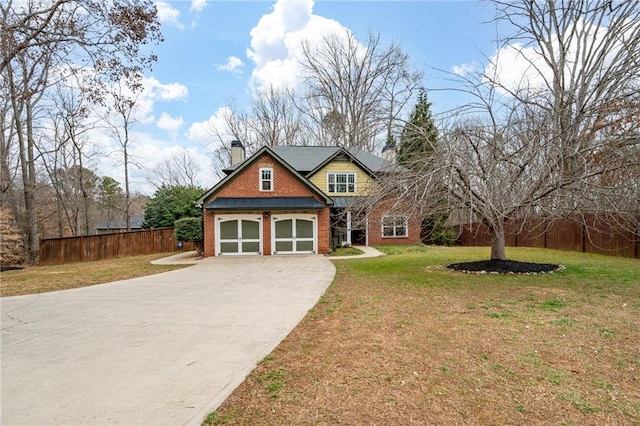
518, 67
198, 5
276, 41
167, 14
233, 64
213, 131
152, 92
146, 153
145, 149
165, 92
464, 69
169, 123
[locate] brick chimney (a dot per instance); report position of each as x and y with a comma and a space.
237, 153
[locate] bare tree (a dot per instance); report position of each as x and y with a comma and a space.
66, 158
26, 80
109, 36
275, 118
121, 121
354, 92
561, 140
42, 42
181, 169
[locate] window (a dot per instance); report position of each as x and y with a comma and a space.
266, 179
341, 182
394, 226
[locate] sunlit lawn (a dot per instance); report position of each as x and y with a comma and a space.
401, 340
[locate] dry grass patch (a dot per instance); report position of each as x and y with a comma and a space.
41, 279
398, 340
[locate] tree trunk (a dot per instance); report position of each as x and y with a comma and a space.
127, 194
497, 244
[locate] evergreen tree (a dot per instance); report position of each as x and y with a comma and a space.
110, 198
170, 203
419, 136
189, 229
417, 144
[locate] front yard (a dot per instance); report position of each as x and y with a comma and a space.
41, 279
400, 340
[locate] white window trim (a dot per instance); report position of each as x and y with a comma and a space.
395, 216
261, 180
335, 183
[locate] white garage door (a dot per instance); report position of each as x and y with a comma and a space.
239, 234
294, 234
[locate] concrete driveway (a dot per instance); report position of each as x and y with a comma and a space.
160, 350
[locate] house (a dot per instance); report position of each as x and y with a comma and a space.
300, 199
119, 225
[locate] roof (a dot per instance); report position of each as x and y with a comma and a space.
344, 202
257, 203
264, 150
136, 223
305, 159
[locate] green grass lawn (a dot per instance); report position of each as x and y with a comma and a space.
346, 251
40, 279
401, 340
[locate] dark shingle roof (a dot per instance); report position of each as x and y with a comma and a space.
307, 158
346, 202
266, 203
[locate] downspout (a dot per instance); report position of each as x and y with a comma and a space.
201, 245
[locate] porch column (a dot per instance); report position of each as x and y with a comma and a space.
348, 227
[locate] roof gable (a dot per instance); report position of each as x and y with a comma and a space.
341, 154
251, 160
306, 159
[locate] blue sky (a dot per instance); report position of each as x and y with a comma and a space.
435, 34
215, 51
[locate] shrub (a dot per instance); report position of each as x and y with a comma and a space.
189, 229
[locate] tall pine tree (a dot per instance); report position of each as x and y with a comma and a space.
417, 144
419, 135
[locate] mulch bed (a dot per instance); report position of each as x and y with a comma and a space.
504, 267
10, 268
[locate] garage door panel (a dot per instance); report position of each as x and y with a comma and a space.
294, 234
228, 247
284, 228
229, 230
284, 245
304, 245
250, 230
304, 228
251, 247
238, 234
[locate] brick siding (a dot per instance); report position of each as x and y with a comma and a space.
246, 184
414, 224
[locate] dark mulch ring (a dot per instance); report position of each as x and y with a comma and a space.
504, 267
9, 268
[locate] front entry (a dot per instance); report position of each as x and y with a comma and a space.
238, 234
294, 233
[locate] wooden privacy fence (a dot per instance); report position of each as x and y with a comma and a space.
57, 251
590, 237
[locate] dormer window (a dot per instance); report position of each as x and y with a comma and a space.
266, 179
341, 182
